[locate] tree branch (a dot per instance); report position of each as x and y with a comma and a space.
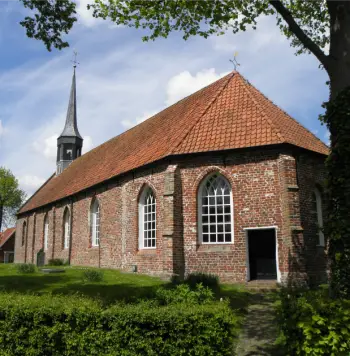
299, 33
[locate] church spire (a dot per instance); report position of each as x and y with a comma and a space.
71, 126
70, 142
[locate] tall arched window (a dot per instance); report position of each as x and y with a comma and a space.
215, 210
147, 219
66, 228
95, 223
46, 232
317, 202
24, 233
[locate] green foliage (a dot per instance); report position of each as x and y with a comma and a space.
206, 279
313, 324
49, 20
92, 275
203, 18
54, 325
337, 229
25, 268
184, 294
56, 262
11, 196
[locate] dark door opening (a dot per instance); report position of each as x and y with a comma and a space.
262, 254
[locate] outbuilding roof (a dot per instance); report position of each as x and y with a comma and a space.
6, 235
228, 114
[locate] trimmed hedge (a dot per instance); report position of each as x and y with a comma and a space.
313, 324
60, 325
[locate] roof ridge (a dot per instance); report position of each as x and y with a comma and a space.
291, 117
229, 78
273, 126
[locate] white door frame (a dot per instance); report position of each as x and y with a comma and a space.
246, 230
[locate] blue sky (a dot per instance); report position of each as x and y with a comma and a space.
122, 81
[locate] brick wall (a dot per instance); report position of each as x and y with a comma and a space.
269, 188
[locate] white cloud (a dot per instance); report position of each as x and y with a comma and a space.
84, 15
30, 183
87, 144
184, 83
47, 147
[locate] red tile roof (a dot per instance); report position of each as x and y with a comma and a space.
227, 114
5, 236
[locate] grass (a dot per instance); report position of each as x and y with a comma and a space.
115, 285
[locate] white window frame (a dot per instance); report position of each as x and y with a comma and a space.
199, 210
66, 228
321, 240
46, 232
147, 190
95, 223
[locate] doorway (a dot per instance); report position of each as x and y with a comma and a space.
262, 254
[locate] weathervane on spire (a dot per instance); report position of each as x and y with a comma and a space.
74, 61
234, 61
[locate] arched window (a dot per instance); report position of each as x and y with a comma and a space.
66, 228
46, 232
95, 223
147, 219
215, 210
24, 233
317, 203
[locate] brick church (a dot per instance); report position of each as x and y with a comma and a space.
222, 182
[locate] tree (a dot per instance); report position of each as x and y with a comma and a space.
310, 25
11, 196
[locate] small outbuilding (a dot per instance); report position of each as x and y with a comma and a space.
7, 245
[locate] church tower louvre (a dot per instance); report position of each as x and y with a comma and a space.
70, 142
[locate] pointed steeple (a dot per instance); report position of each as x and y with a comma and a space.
70, 142
71, 126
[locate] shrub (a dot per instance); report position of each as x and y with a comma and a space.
183, 294
313, 324
56, 262
60, 325
25, 268
206, 279
92, 275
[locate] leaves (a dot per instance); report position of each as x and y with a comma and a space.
49, 20
11, 196
52, 19
61, 325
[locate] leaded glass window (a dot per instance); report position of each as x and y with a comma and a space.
215, 210
147, 219
95, 223
46, 232
66, 228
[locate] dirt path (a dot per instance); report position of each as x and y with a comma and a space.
259, 331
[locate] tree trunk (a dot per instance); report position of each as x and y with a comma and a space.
338, 67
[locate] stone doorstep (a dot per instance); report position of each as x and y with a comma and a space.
262, 285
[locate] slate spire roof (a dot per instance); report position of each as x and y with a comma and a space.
71, 126
228, 114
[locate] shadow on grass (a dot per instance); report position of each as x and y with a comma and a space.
68, 285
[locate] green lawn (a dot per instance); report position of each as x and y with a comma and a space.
115, 286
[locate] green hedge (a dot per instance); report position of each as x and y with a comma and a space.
313, 324
55, 325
